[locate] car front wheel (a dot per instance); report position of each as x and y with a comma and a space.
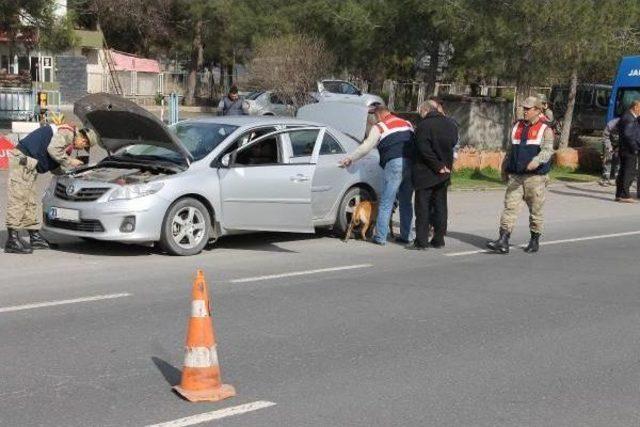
186, 228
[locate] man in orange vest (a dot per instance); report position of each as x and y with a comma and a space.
394, 139
525, 168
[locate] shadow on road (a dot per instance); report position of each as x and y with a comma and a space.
592, 190
585, 194
267, 242
170, 373
262, 241
97, 247
470, 239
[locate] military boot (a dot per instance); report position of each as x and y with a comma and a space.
37, 240
534, 243
500, 245
15, 245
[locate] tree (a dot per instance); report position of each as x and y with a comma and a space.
543, 42
137, 26
291, 65
590, 38
34, 23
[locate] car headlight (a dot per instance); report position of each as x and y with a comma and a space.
128, 192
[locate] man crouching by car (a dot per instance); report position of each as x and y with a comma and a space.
46, 149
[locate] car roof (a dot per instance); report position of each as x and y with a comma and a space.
247, 121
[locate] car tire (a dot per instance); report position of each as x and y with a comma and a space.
351, 198
186, 228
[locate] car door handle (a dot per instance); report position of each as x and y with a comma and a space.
299, 178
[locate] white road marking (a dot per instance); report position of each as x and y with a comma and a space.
553, 242
216, 415
300, 273
478, 251
61, 302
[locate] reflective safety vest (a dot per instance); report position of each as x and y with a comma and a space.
396, 139
35, 145
526, 140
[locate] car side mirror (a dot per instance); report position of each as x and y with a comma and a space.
359, 93
226, 160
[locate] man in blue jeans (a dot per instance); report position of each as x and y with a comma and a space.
393, 137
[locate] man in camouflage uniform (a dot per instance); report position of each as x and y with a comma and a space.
547, 112
610, 157
525, 168
46, 149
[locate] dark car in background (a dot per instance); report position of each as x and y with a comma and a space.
590, 112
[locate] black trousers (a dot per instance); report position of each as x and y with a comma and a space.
626, 174
431, 209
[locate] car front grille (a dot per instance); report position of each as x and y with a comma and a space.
88, 194
87, 225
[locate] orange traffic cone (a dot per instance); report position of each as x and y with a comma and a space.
201, 374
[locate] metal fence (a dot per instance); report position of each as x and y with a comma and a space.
16, 104
20, 104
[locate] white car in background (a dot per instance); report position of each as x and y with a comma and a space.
343, 91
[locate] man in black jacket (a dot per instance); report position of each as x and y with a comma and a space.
436, 136
629, 134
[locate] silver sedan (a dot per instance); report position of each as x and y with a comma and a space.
267, 103
205, 178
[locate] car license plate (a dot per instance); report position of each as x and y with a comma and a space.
64, 214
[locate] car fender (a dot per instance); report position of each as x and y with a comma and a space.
183, 186
368, 174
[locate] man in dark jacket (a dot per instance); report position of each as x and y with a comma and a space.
436, 136
232, 104
629, 134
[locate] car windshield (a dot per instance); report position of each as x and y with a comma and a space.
198, 138
624, 98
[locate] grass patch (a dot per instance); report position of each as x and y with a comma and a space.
490, 178
564, 174
476, 178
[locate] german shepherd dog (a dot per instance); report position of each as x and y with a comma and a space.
364, 216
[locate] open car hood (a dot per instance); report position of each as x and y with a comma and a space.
121, 123
348, 118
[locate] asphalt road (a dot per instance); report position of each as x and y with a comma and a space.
389, 337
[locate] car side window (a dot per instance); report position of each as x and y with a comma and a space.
602, 98
247, 137
275, 99
348, 89
265, 152
333, 87
302, 142
584, 97
330, 146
